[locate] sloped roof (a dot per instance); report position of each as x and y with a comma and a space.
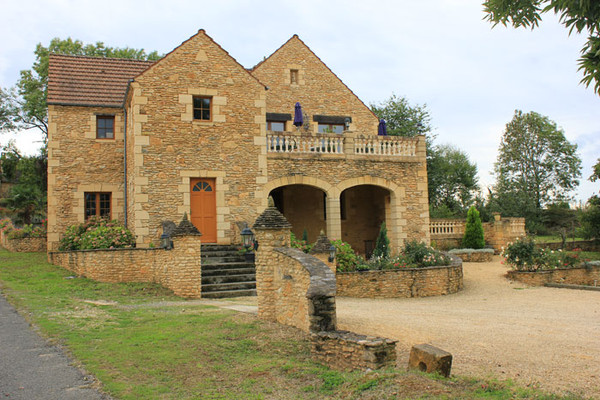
91, 81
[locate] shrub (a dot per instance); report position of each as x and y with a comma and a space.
96, 233
523, 255
382, 245
346, 259
420, 255
299, 244
473, 238
27, 231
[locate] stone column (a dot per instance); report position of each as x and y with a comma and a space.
271, 231
334, 218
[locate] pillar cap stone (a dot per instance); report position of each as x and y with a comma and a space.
186, 228
271, 218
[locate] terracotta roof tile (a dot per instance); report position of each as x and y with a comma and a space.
91, 81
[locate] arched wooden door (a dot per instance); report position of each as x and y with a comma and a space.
203, 208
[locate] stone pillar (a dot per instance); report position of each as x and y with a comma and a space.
271, 231
334, 218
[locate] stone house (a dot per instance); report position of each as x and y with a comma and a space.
196, 132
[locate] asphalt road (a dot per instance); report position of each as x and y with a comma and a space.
31, 368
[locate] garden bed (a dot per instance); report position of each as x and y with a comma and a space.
588, 274
473, 255
402, 282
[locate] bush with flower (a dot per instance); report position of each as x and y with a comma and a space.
524, 255
96, 233
26, 231
300, 243
414, 255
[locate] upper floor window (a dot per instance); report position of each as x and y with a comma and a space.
97, 204
202, 108
276, 126
294, 76
331, 128
105, 126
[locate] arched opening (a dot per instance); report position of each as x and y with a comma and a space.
304, 207
363, 209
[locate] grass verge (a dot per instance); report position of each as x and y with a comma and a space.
142, 342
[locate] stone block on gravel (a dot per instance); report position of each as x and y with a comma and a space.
430, 359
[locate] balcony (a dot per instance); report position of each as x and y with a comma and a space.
347, 145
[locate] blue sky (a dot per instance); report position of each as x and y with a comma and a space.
436, 52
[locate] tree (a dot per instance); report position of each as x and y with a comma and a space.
473, 238
24, 106
559, 218
382, 244
578, 16
402, 118
536, 165
596, 174
452, 181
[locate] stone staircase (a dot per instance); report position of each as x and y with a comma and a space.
225, 273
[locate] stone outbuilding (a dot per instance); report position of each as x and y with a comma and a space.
195, 132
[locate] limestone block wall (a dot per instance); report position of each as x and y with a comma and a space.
27, 245
168, 147
178, 269
293, 288
405, 178
79, 163
471, 255
318, 89
409, 282
348, 351
588, 275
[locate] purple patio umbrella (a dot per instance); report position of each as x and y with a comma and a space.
298, 121
382, 129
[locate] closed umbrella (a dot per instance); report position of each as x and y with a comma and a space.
382, 129
298, 120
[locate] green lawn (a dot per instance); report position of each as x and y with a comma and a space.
142, 346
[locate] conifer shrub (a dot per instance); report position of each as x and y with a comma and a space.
382, 245
473, 238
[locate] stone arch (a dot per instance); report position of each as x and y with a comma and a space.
391, 210
298, 180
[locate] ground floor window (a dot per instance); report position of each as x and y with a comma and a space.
97, 204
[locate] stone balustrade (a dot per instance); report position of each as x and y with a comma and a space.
346, 144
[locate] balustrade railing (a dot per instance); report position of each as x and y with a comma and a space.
287, 142
446, 227
385, 146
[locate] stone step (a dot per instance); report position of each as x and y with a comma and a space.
222, 259
219, 247
223, 287
229, 293
229, 265
215, 280
231, 271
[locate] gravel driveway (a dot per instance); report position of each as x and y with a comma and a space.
538, 336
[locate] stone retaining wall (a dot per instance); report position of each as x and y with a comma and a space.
408, 282
28, 245
583, 245
348, 351
588, 275
178, 269
472, 255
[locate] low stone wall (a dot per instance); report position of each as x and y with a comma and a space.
28, 245
178, 269
348, 351
583, 245
473, 255
587, 275
405, 282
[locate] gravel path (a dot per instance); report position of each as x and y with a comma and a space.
538, 336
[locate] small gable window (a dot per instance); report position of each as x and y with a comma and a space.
97, 204
105, 127
202, 108
293, 76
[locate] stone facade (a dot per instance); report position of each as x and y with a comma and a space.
587, 275
471, 255
159, 149
177, 269
405, 282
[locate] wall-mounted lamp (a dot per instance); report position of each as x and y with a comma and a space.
331, 253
